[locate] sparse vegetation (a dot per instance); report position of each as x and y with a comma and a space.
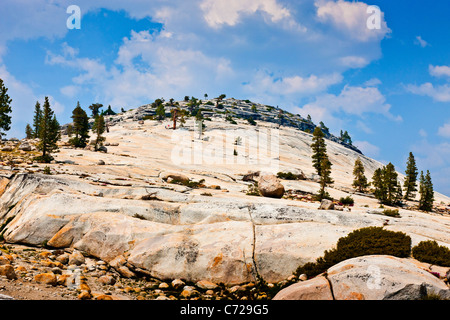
253, 190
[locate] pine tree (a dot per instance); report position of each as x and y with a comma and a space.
49, 133
390, 183
378, 184
426, 192
99, 128
325, 179
80, 127
37, 119
5, 109
319, 150
29, 132
95, 107
360, 182
160, 111
411, 177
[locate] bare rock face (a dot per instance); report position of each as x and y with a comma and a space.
270, 186
369, 278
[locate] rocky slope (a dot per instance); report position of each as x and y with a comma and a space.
121, 206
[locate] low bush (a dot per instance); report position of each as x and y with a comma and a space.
347, 201
391, 213
361, 242
431, 252
289, 176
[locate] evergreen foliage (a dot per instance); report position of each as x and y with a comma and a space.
5, 109
319, 150
387, 188
95, 108
80, 127
360, 181
411, 177
49, 133
98, 128
29, 132
426, 192
37, 119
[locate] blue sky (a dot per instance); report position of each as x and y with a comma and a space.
389, 87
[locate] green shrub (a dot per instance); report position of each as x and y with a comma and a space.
251, 121
391, 213
288, 176
347, 201
361, 242
429, 251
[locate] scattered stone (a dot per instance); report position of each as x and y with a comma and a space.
76, 258
84, 295
4, 260
63, 258
101, 162
206, 285
107, 280
46, 278
8, 271
163, 285
177, 283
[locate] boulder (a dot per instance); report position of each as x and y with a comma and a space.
7, 270
326, 204
25, 147
315, 289
46, 278
270, 186
376, 277
171, 177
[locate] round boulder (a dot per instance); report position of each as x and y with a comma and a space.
270, 186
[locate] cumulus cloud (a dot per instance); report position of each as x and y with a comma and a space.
439, 71
440, 93
444, 131
230, 12
351, 19
265, 83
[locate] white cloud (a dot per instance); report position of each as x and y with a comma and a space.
372, 82
350, 18
439, 71
230, 12
354, 61
419, 41
444, 131
439, 93
351, 100
264, 83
